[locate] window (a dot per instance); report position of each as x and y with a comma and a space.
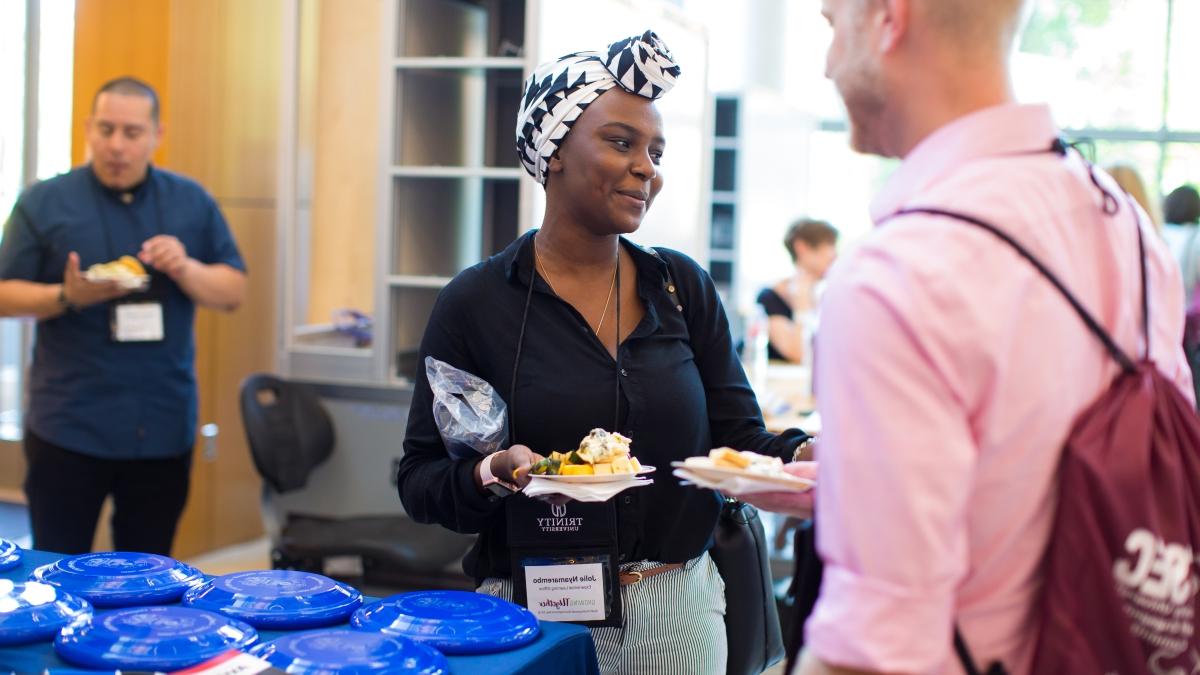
1119, 72
1116, 72
30, 148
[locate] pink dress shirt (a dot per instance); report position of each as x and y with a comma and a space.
950, 373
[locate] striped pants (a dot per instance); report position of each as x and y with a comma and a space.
674, 622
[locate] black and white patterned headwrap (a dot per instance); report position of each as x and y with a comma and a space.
558, 92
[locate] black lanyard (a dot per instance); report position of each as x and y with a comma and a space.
512, 391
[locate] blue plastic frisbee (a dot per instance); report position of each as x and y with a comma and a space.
119, 579
337, 650
32, 612
151, 638
455, 622
10, 555
277, 599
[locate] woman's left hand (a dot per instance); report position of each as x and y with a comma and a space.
788, 502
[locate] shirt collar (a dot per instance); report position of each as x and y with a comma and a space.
518, 258
127, 196
998, 130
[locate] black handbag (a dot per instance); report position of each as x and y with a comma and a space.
806, 586
751, 617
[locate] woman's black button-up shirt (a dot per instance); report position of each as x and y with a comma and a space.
682, 392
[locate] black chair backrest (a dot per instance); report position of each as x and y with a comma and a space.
289, 432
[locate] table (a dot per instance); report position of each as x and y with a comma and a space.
562, 648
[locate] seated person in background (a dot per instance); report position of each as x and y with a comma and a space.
813, 247
1181, 211
1131, 182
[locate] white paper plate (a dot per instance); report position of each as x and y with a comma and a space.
703, 467
129, 283
603, 478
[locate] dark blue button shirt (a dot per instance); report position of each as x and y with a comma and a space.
88, 393
682, 392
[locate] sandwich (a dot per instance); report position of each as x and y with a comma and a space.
124, 268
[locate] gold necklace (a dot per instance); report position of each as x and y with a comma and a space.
537, 263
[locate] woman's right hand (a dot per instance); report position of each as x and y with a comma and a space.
512, 465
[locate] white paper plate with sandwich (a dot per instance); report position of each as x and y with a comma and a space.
739, 472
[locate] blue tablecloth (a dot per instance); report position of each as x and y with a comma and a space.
563, 649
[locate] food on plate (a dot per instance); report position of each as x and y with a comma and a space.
744, 460
124, 268
600, 453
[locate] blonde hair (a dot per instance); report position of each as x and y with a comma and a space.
1131, 181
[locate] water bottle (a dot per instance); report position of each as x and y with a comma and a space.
754, 350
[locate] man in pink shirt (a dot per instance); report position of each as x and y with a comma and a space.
950, 371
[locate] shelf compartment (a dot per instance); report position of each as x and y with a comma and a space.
410, 310
456, 117
459, 62
724, 170
466, 28
724, 226
444, 225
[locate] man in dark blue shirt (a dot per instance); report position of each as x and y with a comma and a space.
112, 400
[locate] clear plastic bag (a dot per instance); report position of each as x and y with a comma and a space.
470, 416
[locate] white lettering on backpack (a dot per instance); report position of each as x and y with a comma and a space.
1156, 582
1160, 571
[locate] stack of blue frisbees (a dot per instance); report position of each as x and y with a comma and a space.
118, 579
10, 555
34, 612
277, 599
167, 615
337, 650
455, 622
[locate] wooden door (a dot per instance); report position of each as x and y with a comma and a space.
217, 66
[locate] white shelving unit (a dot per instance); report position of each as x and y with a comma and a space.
723, 236
450, 194
448, 178
448, 188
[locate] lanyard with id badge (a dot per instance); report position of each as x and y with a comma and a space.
565, 557
137, 317
565, 560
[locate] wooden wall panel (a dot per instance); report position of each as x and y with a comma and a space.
217, 66
346, 157
225, 67
115, 38
245, 344
12, 468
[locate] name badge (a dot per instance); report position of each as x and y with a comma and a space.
566, 592
565, 560
137, 322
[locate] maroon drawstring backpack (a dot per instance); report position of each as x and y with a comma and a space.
1120, 580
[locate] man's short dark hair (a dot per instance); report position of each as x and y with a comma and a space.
812, 232
129, 86
1182, 206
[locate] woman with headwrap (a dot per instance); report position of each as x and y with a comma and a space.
578, 328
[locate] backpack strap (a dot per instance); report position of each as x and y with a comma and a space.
1094, 326
968, 662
